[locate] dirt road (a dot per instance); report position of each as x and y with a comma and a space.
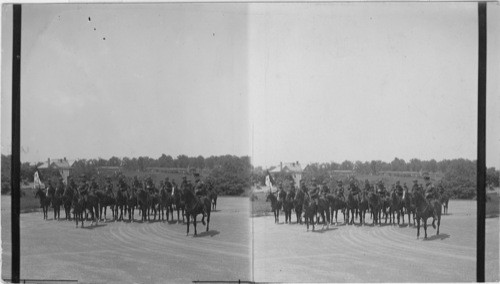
156, 252
288, 253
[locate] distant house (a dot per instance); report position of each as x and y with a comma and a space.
294, 169
60, 164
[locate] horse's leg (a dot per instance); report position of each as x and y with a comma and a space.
418, 227
208, 219
425, 228
194, 224
439, 224
187, 232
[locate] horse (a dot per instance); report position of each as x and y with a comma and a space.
409, 206
213, 197
196, 205
105, 200
298, 203
154, 203
336, 203
310, 209
143, 202
385, 204
288, 206
121, 200
166, 203
44, 202
425, 209
395, 208
179, 202
56, 200
67, 199
323, 209
131, 203
275, 205
92, 205
351, 207
444, 199
363, 206
78, 204
375, 203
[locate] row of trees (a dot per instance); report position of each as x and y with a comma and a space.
164, 161
230, 174
377, 166
459, 175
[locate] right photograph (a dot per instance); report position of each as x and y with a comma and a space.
364, 124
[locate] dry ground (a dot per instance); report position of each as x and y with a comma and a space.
288, 253
156, 252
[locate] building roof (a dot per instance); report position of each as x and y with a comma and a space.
56, 163
287, 167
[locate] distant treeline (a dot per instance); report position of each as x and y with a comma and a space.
231, 174
458, 175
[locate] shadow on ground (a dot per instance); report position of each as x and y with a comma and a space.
437, 237
210, 233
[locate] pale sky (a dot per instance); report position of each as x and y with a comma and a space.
282, 82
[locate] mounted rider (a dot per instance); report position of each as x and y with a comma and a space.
399, 189
314, 194
150, 186
324, 189
199, 186
367, 186
340, 189
381, 189
353, 188
415, 188
168, 185
430, 189
136, 183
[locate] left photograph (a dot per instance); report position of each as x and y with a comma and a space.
135, 143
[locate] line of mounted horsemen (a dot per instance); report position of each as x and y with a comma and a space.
89, 198
421, 202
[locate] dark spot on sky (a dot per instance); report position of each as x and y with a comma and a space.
103, 38
213, 34
94, 29
89, 19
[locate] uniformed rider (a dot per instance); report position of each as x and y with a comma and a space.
430, 190
399, 189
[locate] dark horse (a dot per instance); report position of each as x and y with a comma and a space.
178, 202
78, 204
44, 202
213, 197
166, 203
323, 209
395, 208
363, 205
298, 202
56, 202
67, 199
336, 203
310, 209
131, 203
275, 206
375, 203
121, 200
426, 209
196, 205
288, 206
409, 206
351, 207
444, 199
92, 205
143, 201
